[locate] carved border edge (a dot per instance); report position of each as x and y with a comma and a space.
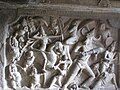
80, 14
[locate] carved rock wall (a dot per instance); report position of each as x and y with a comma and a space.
2, 25
114, 3
17, 29
5, 19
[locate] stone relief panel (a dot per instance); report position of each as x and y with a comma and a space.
99, 3
60, 53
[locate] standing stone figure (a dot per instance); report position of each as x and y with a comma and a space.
29, 60
35, 78
15, 76
89, 48
61, 70
15, 47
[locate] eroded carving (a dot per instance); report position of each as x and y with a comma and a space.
14, 76
52, 53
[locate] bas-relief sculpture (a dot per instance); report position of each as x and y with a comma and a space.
56, 53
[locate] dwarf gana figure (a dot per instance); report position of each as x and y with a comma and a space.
15, 47
15, 76
35, 78
29, 60
61, 70
62, 50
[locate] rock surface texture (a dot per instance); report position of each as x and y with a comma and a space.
59, 45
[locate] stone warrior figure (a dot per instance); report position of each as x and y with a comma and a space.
62, 50
15, 44
23, 34
106, 77
61, 70
29, 60
54, 26
106, 64
15, 47
15, 76
89, 48
110, 57
110, 76
35, 78
31, 25
44, 39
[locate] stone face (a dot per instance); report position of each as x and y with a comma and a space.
44, 51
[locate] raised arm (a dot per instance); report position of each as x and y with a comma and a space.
55, 36
114, 57
37, 37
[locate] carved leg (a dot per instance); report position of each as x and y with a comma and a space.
45, 60
60, 80
114, 81
44, 79
97, 81
72, 73
13, 84
92, 76
53, 82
